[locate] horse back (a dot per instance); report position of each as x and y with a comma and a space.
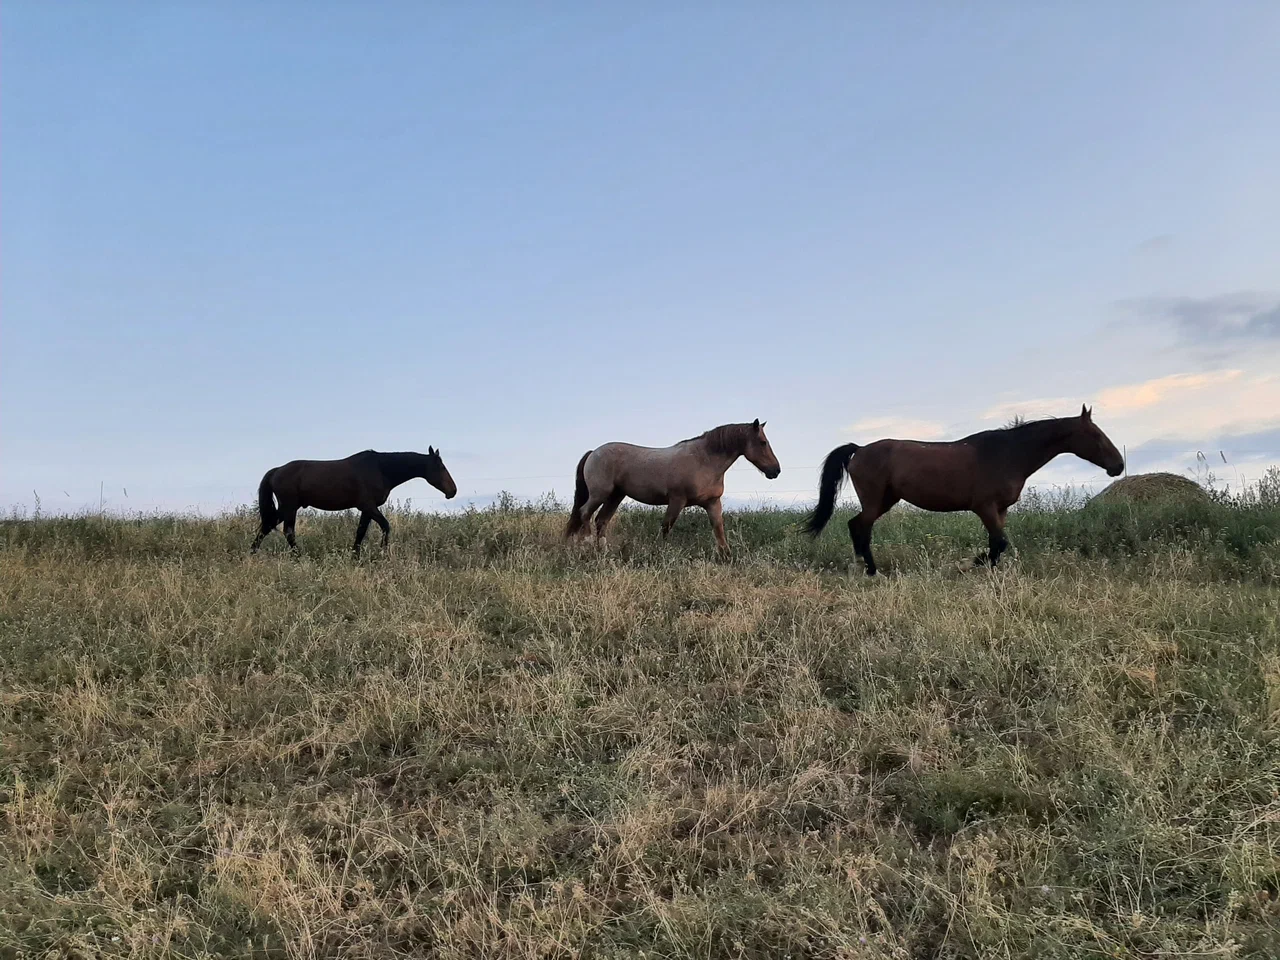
933, 475
647, 474
331, 484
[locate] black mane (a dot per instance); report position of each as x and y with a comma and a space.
1019, 432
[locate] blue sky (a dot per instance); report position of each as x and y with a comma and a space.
234, 234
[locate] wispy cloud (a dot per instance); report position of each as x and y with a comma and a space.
1118, 400
1230, 318
901, 428
1153, 245
1149, 393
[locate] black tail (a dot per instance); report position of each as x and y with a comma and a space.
579, 498
267, 502
833, 473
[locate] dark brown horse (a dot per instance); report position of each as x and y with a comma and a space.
983, 472
363, 480
687, 474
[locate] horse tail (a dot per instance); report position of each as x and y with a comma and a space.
267, 502
834, 470
580, 495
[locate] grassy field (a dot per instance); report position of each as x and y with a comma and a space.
487, 745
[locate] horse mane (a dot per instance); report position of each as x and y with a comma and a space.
726, 438
1025, 423
1020, 429
392, 453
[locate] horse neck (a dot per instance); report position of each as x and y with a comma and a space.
1038, 444
398, 467
724, 445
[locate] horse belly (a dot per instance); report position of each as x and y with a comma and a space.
643, 490
332, 495
935, 500
642, 473
935, 480
651, 497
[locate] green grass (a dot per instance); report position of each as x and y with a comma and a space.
489, 745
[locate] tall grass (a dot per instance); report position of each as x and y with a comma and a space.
489, 745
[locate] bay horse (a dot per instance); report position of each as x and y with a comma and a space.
363, 480
687, 474
984, 472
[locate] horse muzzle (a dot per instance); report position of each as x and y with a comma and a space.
772, 474
1115, 471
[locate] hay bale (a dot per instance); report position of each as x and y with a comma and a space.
1154, 488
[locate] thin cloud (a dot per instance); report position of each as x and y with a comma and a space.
901, 428
1115, 401
1157, 244
1135, 396
1238, 318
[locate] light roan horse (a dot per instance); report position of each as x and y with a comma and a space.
984, 472
363, 480
688, 474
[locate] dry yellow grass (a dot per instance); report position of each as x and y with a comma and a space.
487, 746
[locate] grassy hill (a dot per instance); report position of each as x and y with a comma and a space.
487, 745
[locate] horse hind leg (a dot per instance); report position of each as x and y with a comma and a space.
607, 510
860, 533
262, 535
873, 508
265, 528
993, 518
289, 515
594, 502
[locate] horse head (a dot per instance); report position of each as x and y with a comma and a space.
760, 453
437, 474
1088, 442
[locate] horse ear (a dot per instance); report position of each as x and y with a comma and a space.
762, 424
757, 423
1084, 411
431, 451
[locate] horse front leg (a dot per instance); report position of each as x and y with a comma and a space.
361, 529
381, 521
